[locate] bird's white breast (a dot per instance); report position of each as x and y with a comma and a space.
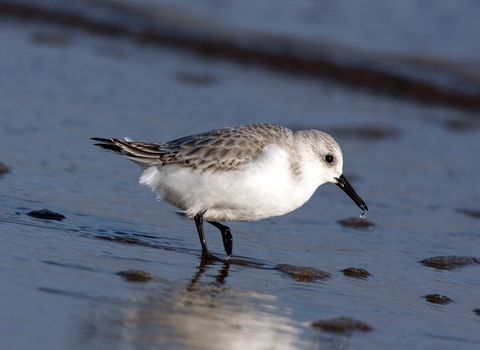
268, 186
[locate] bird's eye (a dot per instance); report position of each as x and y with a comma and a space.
329, 158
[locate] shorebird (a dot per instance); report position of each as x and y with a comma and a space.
239, 173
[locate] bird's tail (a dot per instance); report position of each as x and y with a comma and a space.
107, 144
144, 154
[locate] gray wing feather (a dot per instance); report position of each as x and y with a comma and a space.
217, 150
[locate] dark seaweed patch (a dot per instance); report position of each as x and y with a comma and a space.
341, 325
438, 299
473, 213
3, 169
356, 272
449, 262
302, 274
136, 275
46, 214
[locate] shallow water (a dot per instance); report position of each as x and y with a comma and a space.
409, 28
414, 165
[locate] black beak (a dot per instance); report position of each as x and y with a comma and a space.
345, 186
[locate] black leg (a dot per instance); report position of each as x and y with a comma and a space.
199, 223
226, 236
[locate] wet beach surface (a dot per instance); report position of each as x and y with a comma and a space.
123, 271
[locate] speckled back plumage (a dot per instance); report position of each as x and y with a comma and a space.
218, 150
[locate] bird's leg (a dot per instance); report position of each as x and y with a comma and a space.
226, 236
199, 223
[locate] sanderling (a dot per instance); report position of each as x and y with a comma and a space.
240, 173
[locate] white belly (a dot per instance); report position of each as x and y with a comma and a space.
262, 189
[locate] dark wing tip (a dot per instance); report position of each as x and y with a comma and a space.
101, 139
107, 144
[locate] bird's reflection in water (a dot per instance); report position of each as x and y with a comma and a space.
203, 313
220, 278
211, 315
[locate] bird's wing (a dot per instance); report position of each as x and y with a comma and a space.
216, 150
